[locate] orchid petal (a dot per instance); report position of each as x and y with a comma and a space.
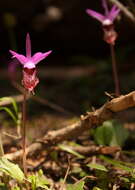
96, 15
114, 12
28, 46
37, 57
21, 58
104, 4
113, 9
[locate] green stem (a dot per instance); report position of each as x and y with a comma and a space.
24, 132
115, 72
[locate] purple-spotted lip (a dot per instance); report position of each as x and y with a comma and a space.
29, 71
108, 28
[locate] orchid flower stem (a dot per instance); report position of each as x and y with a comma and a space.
115, 72
24, 132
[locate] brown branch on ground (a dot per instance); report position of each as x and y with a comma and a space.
94, 150
91, 119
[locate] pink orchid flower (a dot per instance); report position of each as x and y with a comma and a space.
108, 17
29, 65
107, 20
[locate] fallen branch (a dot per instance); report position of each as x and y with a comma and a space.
94, 150
91, 119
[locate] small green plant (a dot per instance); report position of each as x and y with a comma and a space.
11, 169
111, 133
13, 113
38, 180
76, 186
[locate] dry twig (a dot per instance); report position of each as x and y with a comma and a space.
93, 150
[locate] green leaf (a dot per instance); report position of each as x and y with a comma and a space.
38, 180
11, 169
117, 164
111, 133
76, 186
10, 113
96, 188
121, 134
69, 150
97, 167
125, 179
3, 186
13, 103
15, 188
79, 171
76, 170
103, 134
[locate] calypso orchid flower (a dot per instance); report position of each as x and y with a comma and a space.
29, 65
107, 20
